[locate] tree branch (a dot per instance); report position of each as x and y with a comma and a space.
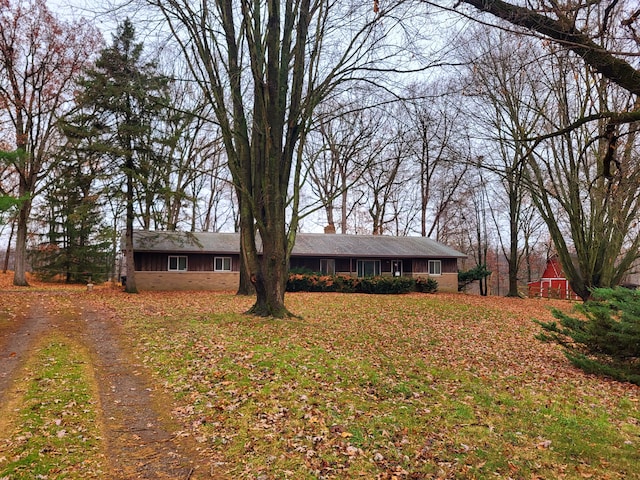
565, 33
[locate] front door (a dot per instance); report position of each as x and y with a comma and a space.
396, 268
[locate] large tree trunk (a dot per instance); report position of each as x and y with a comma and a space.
513, 241
245, 285
131, 286
7, 254
513, 274
270, 280
20, 275
267, 271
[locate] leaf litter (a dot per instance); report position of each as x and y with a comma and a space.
412, 386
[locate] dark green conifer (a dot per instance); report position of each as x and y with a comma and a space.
605, 338
76, 244
121, 101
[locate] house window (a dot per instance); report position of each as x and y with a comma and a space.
327, 266
435, 267
222, 264
177, 263
368, 268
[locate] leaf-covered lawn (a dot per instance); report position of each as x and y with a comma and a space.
365, 386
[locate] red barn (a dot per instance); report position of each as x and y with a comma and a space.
553, 283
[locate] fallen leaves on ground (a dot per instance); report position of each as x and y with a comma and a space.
415, 386
411, 386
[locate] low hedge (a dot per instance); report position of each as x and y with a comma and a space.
304, 282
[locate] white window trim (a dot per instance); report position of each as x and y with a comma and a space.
434, 262
215, 259
178, 269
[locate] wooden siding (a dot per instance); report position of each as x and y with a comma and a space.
553, 283
421, 265
196, 262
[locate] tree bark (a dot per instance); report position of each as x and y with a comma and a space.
131, 285
264, 68
271, 278
8, 252
19, 274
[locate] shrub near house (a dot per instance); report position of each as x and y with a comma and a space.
305, 282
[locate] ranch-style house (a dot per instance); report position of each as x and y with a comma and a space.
211, 261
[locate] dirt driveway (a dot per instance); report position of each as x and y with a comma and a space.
140, 439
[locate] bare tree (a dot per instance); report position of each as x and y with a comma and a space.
591, 210
476, 219
437, 147
338, 154
382, 180
603, 37
40, 58
583, 28
211, 191
503, 84
533, 237
190, 148
264, 67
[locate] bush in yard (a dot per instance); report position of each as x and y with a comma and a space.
607, 340
426, 285
466, 277
345, 284
298, 282
305, 282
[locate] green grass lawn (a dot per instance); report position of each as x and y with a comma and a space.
415, 386
50, 429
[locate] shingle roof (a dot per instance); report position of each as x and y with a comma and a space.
307, 244
205, 242
335, 245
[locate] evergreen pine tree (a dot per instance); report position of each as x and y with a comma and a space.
121, 100
76, 244
605, 339
466, 277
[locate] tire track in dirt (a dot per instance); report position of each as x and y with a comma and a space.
17, 342
139, 439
